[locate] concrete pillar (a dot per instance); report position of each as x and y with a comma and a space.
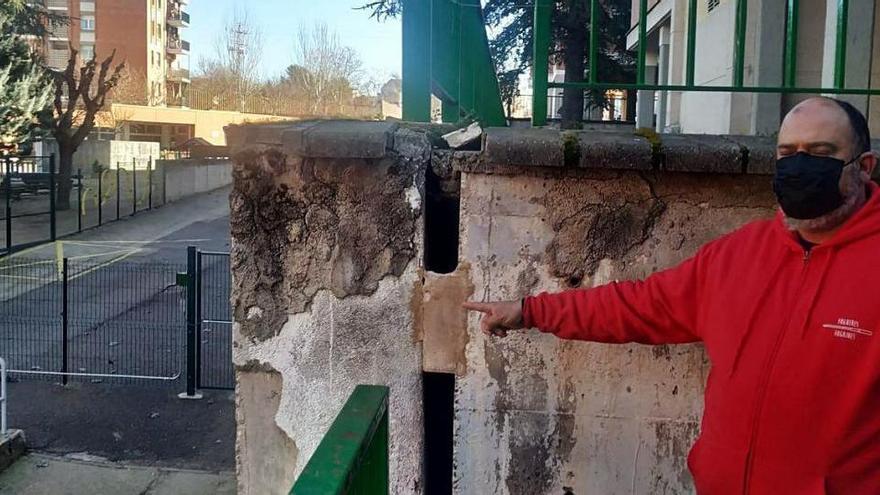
662, 77
677, 56
859, 41
768, 64
874, 101
327, 227
645, 100
810, 50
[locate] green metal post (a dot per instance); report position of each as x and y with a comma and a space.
79, 199
7, 181
467, 97
643, 19
541, 47
53, 192
416, 65
739, 42
594, 41
118, 188
65, 320
192, 337
447, 61
840, 52
791, 36
352, 458
691, 42
134, 189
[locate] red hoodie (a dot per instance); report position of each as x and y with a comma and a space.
792, 403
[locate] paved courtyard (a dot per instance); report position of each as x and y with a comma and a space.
39, 474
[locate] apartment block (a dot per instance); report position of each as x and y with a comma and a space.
147, 34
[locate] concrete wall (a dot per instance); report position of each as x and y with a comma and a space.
327, 242
330, 291
188, 177
207, 124
535, 414
107, 153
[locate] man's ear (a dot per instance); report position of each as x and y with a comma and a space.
868, 162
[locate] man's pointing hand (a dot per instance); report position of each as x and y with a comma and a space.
498, 317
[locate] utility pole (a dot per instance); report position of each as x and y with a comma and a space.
237, 48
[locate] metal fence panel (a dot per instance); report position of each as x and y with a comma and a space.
98, 195
92, 320
126, 319
215, 314
30, 315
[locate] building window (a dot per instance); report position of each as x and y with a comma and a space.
87, 23
712, 4
87, 52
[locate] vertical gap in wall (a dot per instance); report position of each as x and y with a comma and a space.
438, 391
441, 222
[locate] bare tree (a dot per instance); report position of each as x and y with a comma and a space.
235, 67
81, 91
324, 69
131, 89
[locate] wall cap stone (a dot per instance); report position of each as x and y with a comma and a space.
504, 149
317, 138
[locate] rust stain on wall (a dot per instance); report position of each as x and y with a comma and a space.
445, 321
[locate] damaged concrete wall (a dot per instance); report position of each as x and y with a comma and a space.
535, 414
328, 225
327, 241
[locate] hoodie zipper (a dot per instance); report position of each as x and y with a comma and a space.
765, 379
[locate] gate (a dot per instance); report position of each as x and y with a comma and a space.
215, 369
115, 321
209, 350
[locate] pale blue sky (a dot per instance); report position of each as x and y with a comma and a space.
378, 43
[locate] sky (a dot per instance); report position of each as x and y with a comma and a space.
377, 43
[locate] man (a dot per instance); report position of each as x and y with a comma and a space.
788, 310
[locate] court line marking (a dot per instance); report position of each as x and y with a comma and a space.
104, 265
41, 262
98, 255
101, 243
23, 277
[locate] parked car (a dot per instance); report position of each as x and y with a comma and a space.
16, 186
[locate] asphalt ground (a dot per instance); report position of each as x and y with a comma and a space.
126, 317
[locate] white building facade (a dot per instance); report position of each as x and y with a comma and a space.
750, 113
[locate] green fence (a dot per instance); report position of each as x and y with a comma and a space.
542, 42
352, 458
446, 53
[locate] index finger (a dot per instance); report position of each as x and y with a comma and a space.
477, 306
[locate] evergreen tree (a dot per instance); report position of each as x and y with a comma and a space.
25, 91
570, 33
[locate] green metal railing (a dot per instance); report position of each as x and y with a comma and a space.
542, 42
352, 458
446, 53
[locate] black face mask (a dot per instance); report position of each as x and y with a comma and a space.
808, 186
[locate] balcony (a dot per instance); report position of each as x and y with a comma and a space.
178, 18
177, 46
178, 75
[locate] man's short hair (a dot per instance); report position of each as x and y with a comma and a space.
859, 125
